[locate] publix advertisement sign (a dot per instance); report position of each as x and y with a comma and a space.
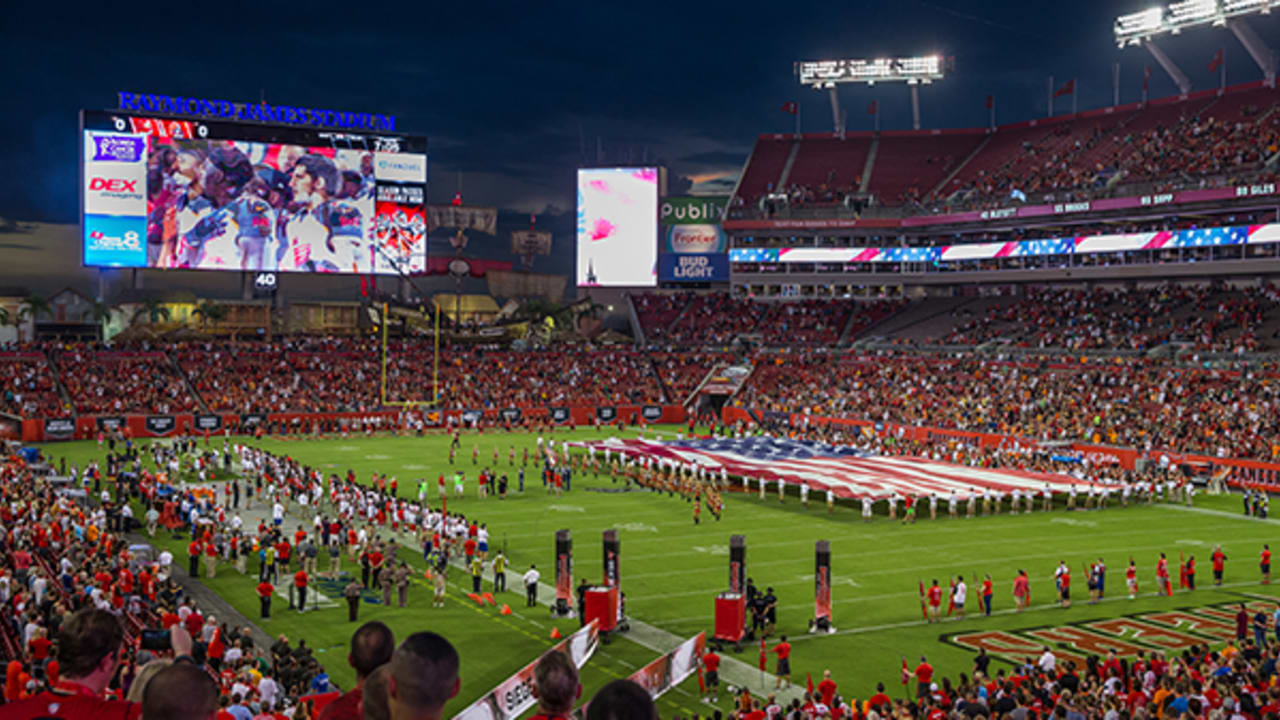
692, 224
696, 249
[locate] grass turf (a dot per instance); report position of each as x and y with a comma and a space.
672, 569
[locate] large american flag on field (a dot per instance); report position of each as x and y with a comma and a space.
848, 472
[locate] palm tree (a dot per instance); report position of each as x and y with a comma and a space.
100, 312
7, 318
153, 310
31, 307
210, 311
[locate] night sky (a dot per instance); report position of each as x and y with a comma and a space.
514, 96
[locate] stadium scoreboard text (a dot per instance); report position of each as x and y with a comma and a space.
181, 193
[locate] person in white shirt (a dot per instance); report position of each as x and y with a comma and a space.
531, 586
267, 690
958, 595
1047, 661
277, 514
866, 509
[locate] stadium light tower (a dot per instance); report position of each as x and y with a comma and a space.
914, 71
1141, 28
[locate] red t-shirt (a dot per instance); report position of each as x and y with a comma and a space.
827, 688
924, 672
265, 589
282, 551
783, 649
1266, 557
300, 578
469, 547
935, 595
346, 707
194, 623
39, 647
73, 702
711, 661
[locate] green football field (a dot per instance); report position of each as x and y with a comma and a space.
671, 571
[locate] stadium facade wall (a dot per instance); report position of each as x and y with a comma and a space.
156, 426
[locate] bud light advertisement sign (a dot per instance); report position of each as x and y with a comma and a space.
712, 268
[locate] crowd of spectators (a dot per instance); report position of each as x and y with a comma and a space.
244, 377
715, 319
681, 372
29, 387
1137, 404
122, 381
807, 322
1212, 318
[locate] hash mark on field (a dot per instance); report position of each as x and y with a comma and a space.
1198, 543
567, 508
414, 466
346, 448
711, 549
376, 456
637, 527
1073, 522
835, 580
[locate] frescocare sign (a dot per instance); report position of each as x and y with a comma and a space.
695, 239
674, 268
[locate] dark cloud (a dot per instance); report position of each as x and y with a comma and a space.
515, 96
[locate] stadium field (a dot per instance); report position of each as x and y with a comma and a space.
671, 570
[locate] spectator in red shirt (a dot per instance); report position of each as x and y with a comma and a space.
783, 649
300, 582
827, 688
265, 589
88, 653
924, 676
371, 647
711, 663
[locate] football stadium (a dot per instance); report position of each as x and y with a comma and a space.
949, 419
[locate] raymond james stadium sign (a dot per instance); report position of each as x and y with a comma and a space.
261, 112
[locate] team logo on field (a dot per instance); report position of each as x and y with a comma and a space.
1168, 631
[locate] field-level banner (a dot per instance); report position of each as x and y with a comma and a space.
514, 695
667, 671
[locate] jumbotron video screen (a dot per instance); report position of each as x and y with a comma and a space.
167, 193
617, 227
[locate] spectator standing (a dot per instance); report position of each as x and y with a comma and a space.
423, 676
371, 647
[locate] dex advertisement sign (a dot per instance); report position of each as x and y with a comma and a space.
693, 268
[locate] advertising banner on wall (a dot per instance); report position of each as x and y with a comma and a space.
59, 428
673, 268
